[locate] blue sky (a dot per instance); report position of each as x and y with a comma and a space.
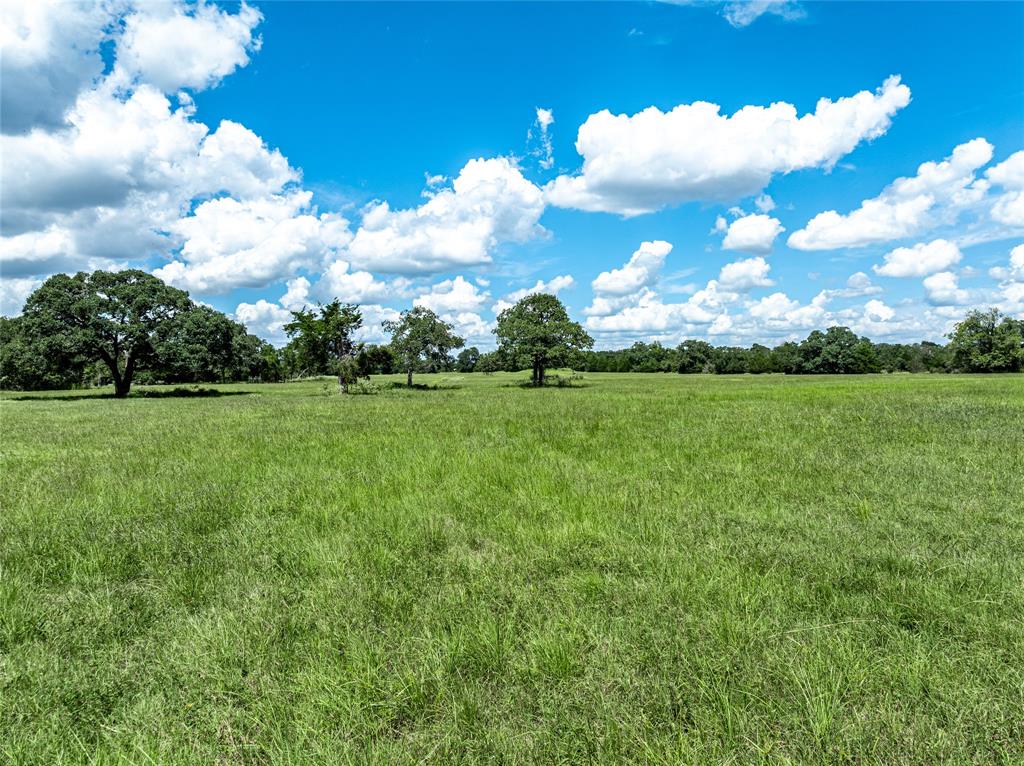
268, 156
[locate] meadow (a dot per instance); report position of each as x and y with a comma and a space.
656, 569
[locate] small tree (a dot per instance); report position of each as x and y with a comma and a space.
375, 360
537, 332
322, 340
467, 359
109, 317
489, 362
420, 336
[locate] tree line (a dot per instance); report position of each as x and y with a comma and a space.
985, 341
120, 328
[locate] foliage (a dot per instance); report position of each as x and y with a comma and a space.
271, 365
836, 351
467, 359
153, 332
573, 380
490, 362
202, 345
987, 341
163, 337
25, 366
375, 360
348, 372
322, 343
114, 318
421, 338
537, 333
694, 356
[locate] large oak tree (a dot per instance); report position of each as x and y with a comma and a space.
109, 317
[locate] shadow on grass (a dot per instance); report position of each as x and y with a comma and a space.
552, 381
187, 392
425, 387
174, 393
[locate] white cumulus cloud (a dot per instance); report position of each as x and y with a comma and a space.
649, 314
625, 304
942, 289
1011, 282
752, 234
922, 259
907, 206
643, 162
51, 52
14, 291
876, 310
1009, 174
111, 170
857, 285
452, 296
489, 203
744, 275
1015, 271
174, 46
264, 319
339, 281
228, 243
640, 270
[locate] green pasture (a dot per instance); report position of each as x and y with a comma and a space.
650, 569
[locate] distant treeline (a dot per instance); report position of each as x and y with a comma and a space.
129, 327
836, 351
985, 341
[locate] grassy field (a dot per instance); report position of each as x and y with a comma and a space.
655, 569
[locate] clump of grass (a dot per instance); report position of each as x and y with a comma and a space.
574, 380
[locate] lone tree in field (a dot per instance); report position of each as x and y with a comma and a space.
537, 332
421, 336
322, 340
109, 317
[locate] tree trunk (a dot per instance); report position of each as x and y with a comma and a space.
540, 374
122, 381
408, 377
534, 378
123, 384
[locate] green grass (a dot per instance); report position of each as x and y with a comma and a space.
653, 569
